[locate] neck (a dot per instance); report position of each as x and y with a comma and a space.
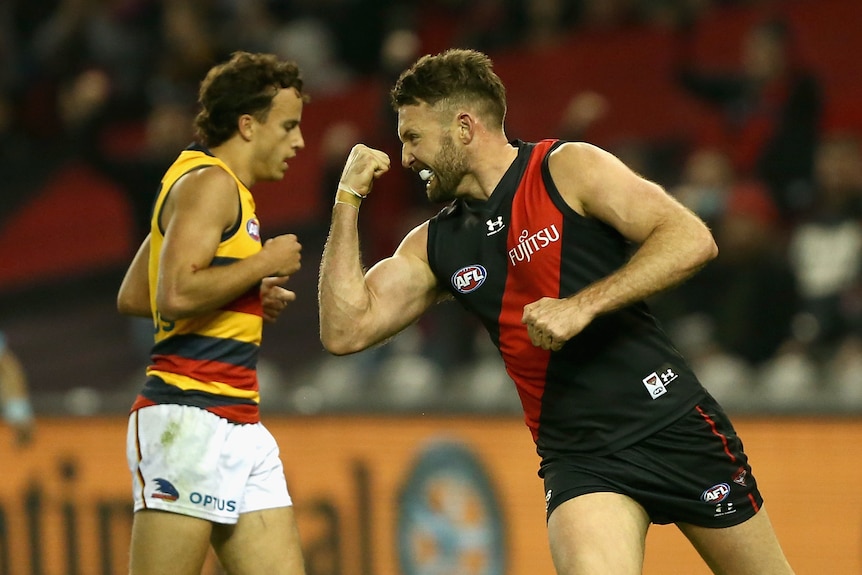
233, 154
489, 167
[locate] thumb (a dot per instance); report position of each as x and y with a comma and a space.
271, 281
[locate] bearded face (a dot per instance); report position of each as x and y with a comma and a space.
450, 167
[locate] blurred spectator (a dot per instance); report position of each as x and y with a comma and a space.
487, 25
14, 397
746, 298
337, 140
605, 14
584, 109
310, 42
587, 109
826, 247
114, 40
771, 109
166, 131
545, 22
706, 184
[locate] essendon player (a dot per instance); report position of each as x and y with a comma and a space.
554, 246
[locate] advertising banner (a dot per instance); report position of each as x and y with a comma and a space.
412, 496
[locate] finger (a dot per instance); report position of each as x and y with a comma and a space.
273, 281
535, 336
288, 296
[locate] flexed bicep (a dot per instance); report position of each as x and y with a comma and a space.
401, 288
391, 296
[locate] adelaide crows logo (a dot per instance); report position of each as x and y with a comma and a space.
165, 490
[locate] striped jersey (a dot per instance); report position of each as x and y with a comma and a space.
210, 360
617, 381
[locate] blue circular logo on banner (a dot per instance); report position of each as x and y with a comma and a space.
449, 520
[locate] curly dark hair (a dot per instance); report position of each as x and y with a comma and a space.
456, 76
245, 84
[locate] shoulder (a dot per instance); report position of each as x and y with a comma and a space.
207, 192
207, 183
415, 243
581, 157
206, 177
578, 168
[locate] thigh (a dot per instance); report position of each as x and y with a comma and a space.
265, 541
164, 542
749, 548
598, 533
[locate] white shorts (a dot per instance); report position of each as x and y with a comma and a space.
187, 460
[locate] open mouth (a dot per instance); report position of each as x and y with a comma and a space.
426, 175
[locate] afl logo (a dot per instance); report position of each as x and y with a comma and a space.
716, 493
469, 278
253, 228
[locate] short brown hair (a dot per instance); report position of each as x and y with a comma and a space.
245, 84
456, 75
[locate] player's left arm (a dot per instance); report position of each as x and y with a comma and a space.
134, 295
673, 243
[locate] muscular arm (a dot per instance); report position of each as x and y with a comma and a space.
134, 295
200, 207
358, 309
673, 242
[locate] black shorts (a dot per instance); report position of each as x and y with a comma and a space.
693, 471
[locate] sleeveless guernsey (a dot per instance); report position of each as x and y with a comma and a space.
208, 361
615, 383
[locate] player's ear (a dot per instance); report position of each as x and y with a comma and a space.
466, 127
245, 126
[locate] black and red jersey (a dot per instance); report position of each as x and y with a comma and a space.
614, 383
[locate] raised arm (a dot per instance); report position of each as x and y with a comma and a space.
359, 309
673, 243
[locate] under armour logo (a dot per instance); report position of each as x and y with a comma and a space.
495, 226
656, 382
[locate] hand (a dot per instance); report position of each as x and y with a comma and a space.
552, 322
362, 167
284, 252
274, 298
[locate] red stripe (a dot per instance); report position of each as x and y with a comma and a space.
754, 504
236, 376
140, 458
240, 413
140, 402
526, 282
249, 303
715, 432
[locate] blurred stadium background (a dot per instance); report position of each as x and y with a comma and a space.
749, 111
98, 97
